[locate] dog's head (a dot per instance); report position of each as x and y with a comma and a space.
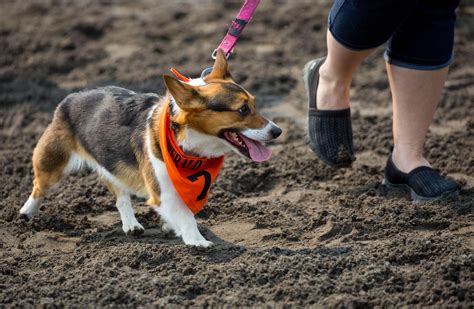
221, 111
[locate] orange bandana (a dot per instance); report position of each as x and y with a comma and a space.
191, 176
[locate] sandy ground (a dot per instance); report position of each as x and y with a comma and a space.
287, 232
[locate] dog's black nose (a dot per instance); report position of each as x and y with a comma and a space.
276, 131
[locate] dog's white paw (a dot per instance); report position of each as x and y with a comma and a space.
31, 208
197, 241
200, 243
133, 228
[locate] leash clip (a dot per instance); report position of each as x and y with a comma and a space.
206, 72
214, 54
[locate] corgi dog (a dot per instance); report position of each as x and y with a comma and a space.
167, 150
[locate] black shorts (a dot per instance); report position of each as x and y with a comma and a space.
419, 33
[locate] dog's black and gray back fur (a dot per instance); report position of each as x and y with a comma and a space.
109, 122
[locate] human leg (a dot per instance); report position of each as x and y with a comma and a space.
415, 95
335, 74
355, 29
418, 56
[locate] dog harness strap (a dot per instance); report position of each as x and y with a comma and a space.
192, 177
238, 24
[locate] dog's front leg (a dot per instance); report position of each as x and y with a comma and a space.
174, 212
179, 218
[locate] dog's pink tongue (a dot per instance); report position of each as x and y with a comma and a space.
258, 152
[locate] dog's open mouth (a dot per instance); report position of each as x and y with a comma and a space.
252, 149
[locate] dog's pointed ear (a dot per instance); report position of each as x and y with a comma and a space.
220, 70
186, 96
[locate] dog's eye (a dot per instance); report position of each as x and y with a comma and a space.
244, 110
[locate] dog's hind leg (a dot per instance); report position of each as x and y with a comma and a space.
130, 225
50, 164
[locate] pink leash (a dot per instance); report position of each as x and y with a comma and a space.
236, 28
230, 39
